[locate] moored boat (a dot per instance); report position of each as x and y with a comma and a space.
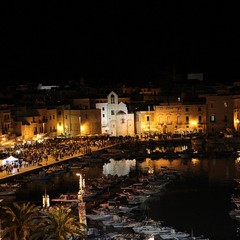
7, 191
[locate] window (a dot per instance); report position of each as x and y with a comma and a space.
53, 117
123, 120
168, 120
225, 118
59, 113
160, 121
103, 109
187, 109
50, 117
187, 119
225, 104
103, 115
199, 109
112, 99
112, 112
178, 119
199, 119
148, 118
212, 118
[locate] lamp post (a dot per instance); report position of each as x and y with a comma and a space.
81, 203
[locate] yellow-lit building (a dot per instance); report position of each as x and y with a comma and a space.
172, 118
236, 112
62, 121
51, 122
90, 122
78, 122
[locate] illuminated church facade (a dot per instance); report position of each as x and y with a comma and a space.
115, 119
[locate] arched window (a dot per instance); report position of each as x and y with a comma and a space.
112, 99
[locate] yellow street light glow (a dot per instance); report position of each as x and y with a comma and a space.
59, 127
195, 161
193, 123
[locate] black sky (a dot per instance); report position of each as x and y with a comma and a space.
117, 41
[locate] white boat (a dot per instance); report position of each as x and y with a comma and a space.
120, 222
174, 235
137, 199
151, 227
98, 217
126, 225
126, 209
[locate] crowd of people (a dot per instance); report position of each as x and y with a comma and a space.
37, 153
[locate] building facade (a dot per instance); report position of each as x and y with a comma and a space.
172, 118
78, 122
220, 113
115, 119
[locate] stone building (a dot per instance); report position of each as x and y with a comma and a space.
172, 118
220, 113
115, 119
77, 122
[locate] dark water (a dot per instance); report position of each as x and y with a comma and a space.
199, 203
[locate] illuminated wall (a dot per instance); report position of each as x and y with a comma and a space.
236, 113
115, 119
172, 118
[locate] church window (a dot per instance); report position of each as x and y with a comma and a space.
112, 99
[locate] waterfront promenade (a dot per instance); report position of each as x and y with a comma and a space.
17, 172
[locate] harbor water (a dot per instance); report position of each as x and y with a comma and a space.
198, 204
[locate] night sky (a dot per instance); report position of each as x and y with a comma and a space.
118, 41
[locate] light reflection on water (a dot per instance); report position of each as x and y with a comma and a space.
119, 168
203, 205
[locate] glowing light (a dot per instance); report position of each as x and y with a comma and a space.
193, 123
83, 128
60, 127
195, 161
